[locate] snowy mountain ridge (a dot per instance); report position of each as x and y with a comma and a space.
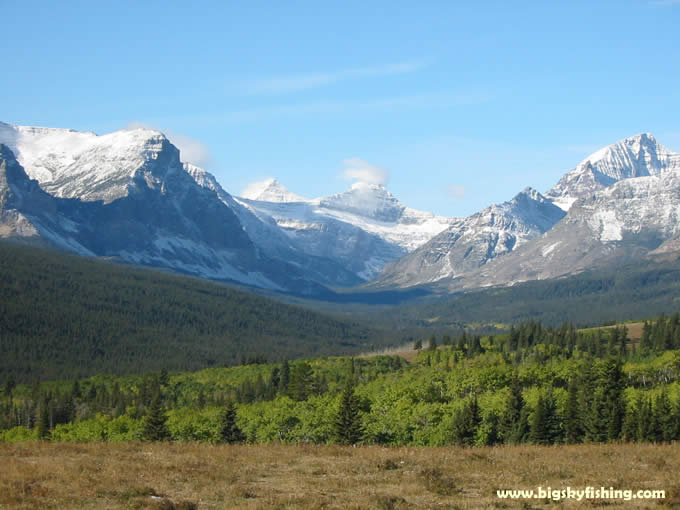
128, 195
637, 156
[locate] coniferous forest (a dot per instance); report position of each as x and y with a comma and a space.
535, 384
64, 316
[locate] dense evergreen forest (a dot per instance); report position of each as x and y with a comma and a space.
643, 289
535, 384
68, 316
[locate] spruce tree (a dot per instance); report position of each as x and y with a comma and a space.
644, 421
513, 424
284, 381
229, 432
663, 418
43, 421
155, 422
466, 422
347, 424
572, 415
545, 424
301, 381
675, 431
629, 429
539, 428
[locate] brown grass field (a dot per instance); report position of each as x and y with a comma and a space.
192, 475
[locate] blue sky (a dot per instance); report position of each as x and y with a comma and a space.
456, 104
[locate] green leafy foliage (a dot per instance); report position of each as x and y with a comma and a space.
534, 384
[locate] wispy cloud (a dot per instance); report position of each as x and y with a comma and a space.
357, 169
387, 104
191, 149
455, 191
304, 81
253, 189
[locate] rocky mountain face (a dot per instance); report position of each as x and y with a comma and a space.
151, 211
263, 230
629, 220
128, 196
610, 193
637, 156
471, 242
361, 229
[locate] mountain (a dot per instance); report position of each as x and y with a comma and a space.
637, 156
275, 239
530, 238
362, 229
271, 190
127, 195
271, 239
474, 241
623, 223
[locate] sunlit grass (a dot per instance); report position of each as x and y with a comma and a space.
193, 475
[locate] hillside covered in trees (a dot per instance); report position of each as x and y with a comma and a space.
68, 316
533, 385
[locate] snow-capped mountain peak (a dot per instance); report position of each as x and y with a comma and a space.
88, 166
270, 190
637, 156
367, 200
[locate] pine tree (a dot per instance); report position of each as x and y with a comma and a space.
284, 381
675, 431
155, 422
301, 381
615, 407
572, 415
347, 425
644, 421
466, 422
629, 429
539, 428
513, 424
43, 421
545, 424
229, 431
663, 418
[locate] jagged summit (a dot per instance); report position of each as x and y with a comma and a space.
637, 156
84, 165
270, 190
472, 242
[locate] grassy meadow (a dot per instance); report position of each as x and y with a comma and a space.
197, 475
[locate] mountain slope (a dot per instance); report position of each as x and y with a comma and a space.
271, 239
152, 213
474, 241
462, 256
361, 229
617, 225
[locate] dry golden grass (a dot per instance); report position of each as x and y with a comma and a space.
175, 475
634, 329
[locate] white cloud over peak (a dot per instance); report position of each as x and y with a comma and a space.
191, 150
359, 170
254, 189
